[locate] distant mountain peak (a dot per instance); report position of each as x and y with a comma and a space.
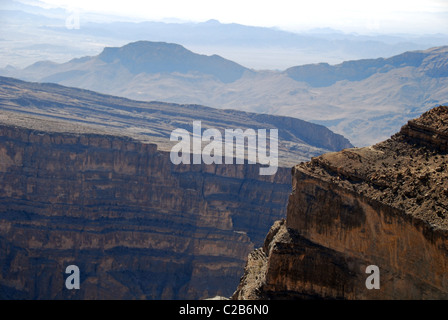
163, 57
213, 21
142, 50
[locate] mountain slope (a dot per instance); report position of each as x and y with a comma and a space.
154, 121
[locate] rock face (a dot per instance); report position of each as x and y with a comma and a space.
137, 226
385, 205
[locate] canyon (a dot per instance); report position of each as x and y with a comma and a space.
86, 180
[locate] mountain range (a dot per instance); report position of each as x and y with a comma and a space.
32, 32
364, 100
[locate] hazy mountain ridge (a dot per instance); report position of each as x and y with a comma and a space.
383, 206
150, 57
253, 47
141, 57
216, 36
364, 100
324, 75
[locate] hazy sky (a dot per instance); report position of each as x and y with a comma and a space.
409, 16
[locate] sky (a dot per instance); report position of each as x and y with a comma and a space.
377, 16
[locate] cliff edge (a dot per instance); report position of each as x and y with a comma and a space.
384, 206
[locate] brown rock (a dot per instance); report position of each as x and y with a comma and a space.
386, 208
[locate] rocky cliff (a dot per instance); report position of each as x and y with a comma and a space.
137, 226
384, 205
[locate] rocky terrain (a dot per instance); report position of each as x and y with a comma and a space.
86, 179
384, 205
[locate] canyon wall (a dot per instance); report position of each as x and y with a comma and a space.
137, 226
384, 206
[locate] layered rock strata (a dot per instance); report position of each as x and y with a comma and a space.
137, 226
384, 206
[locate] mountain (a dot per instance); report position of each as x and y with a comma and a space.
87, 179
150, 57
364, 100
114, 68
363, 223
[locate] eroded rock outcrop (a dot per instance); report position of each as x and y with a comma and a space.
385, 205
